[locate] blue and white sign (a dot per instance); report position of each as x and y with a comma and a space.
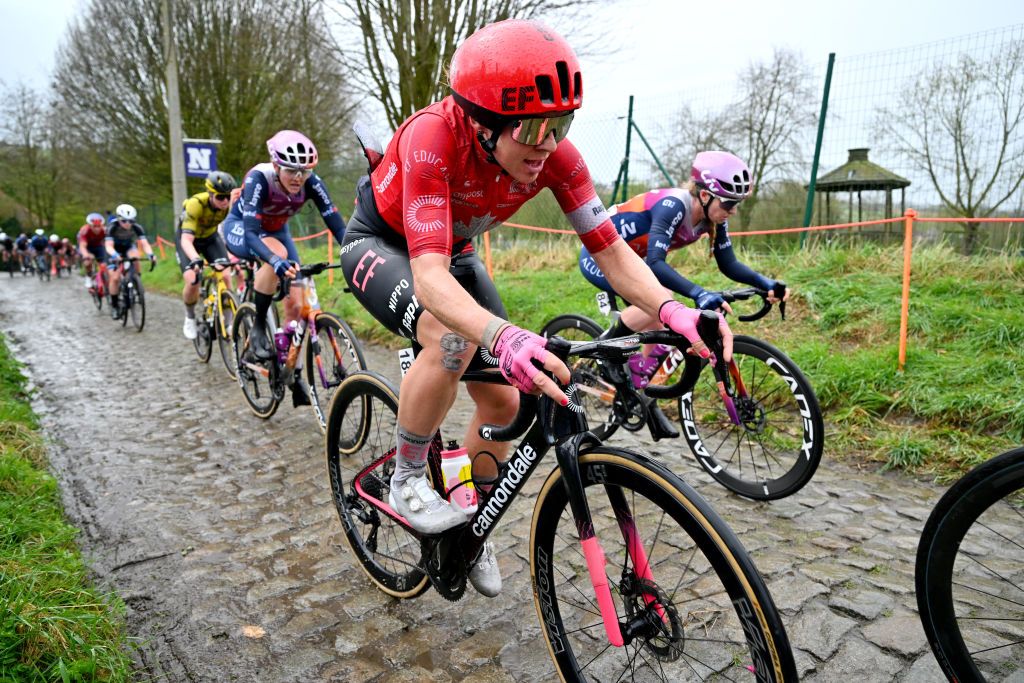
200, 158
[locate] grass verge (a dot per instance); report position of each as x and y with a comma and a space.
53, 625
957, 403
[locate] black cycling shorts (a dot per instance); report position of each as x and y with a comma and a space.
210, 248
376, 267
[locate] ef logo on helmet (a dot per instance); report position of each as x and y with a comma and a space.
516, 99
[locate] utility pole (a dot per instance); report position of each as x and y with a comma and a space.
173, 109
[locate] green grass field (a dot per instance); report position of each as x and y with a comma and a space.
957, 403
53, 625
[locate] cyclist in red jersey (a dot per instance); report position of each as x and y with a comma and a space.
452, 171
91, 238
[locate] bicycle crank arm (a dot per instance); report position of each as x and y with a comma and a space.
607, 396
259, 369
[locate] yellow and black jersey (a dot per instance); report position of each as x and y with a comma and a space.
199, 218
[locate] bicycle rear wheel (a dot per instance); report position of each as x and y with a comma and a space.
336, 356
969, 573
777, 446
594, 392
256, 377
690, 603
224, 327
204, 330
360, 446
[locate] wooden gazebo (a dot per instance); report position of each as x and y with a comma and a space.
856, 176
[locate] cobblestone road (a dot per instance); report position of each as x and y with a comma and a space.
207, 520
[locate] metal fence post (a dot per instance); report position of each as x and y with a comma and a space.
908, 242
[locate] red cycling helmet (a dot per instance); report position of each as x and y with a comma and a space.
515, 69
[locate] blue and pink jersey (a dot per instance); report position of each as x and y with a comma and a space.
657, 222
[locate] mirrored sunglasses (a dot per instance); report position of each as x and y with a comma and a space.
535, 131
296, 172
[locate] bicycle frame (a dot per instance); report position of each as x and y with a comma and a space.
545, 424
214, 298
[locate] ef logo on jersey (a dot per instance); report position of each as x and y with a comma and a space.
516, 99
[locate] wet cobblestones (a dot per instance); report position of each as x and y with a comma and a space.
209, 522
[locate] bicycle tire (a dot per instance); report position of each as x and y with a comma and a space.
970, 562
97, 298
703, 612
594, 392
137, 304
782, 435
203, 342
389, 556
339, 356
257, 388
223, 329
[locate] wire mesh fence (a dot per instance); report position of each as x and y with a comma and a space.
948, 116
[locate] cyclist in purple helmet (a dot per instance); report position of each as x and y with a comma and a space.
660, 221
257, 227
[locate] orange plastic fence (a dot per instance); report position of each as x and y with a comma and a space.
909, 218
160, 242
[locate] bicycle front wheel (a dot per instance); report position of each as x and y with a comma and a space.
336, 355
777, 446
254, 376
969, 573
690, 604
360, 446
594, 392
137, 304
224, 326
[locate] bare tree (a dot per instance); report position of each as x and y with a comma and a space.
406, 45
764, 125
31, 153
246, 69
961, 124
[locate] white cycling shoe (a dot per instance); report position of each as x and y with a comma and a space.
423, 508
485, 575
189, 328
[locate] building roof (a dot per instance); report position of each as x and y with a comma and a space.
859, 174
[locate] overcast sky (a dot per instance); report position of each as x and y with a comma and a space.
660, 43
660, 47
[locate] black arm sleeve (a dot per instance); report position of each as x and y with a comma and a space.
665, 217
731, 266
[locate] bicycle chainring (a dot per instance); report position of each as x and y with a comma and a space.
442, 564
630, 411
651, 617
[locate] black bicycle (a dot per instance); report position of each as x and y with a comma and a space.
969, 573
131, 297
635, 576
754, 424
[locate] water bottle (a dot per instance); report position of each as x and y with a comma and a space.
457, 470
282, 340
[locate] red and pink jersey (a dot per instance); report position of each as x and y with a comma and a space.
93, 237
435, 185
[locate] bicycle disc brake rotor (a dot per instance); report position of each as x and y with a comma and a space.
651, 618
752, 414
630, 411
441, 564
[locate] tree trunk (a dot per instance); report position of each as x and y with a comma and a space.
970, 237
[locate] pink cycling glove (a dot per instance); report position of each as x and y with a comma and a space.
683, 320
515, 348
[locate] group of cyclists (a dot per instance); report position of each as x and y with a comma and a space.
453, 171
36, 253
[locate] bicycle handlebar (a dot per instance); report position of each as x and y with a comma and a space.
751, 292
305, 270
612, 350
